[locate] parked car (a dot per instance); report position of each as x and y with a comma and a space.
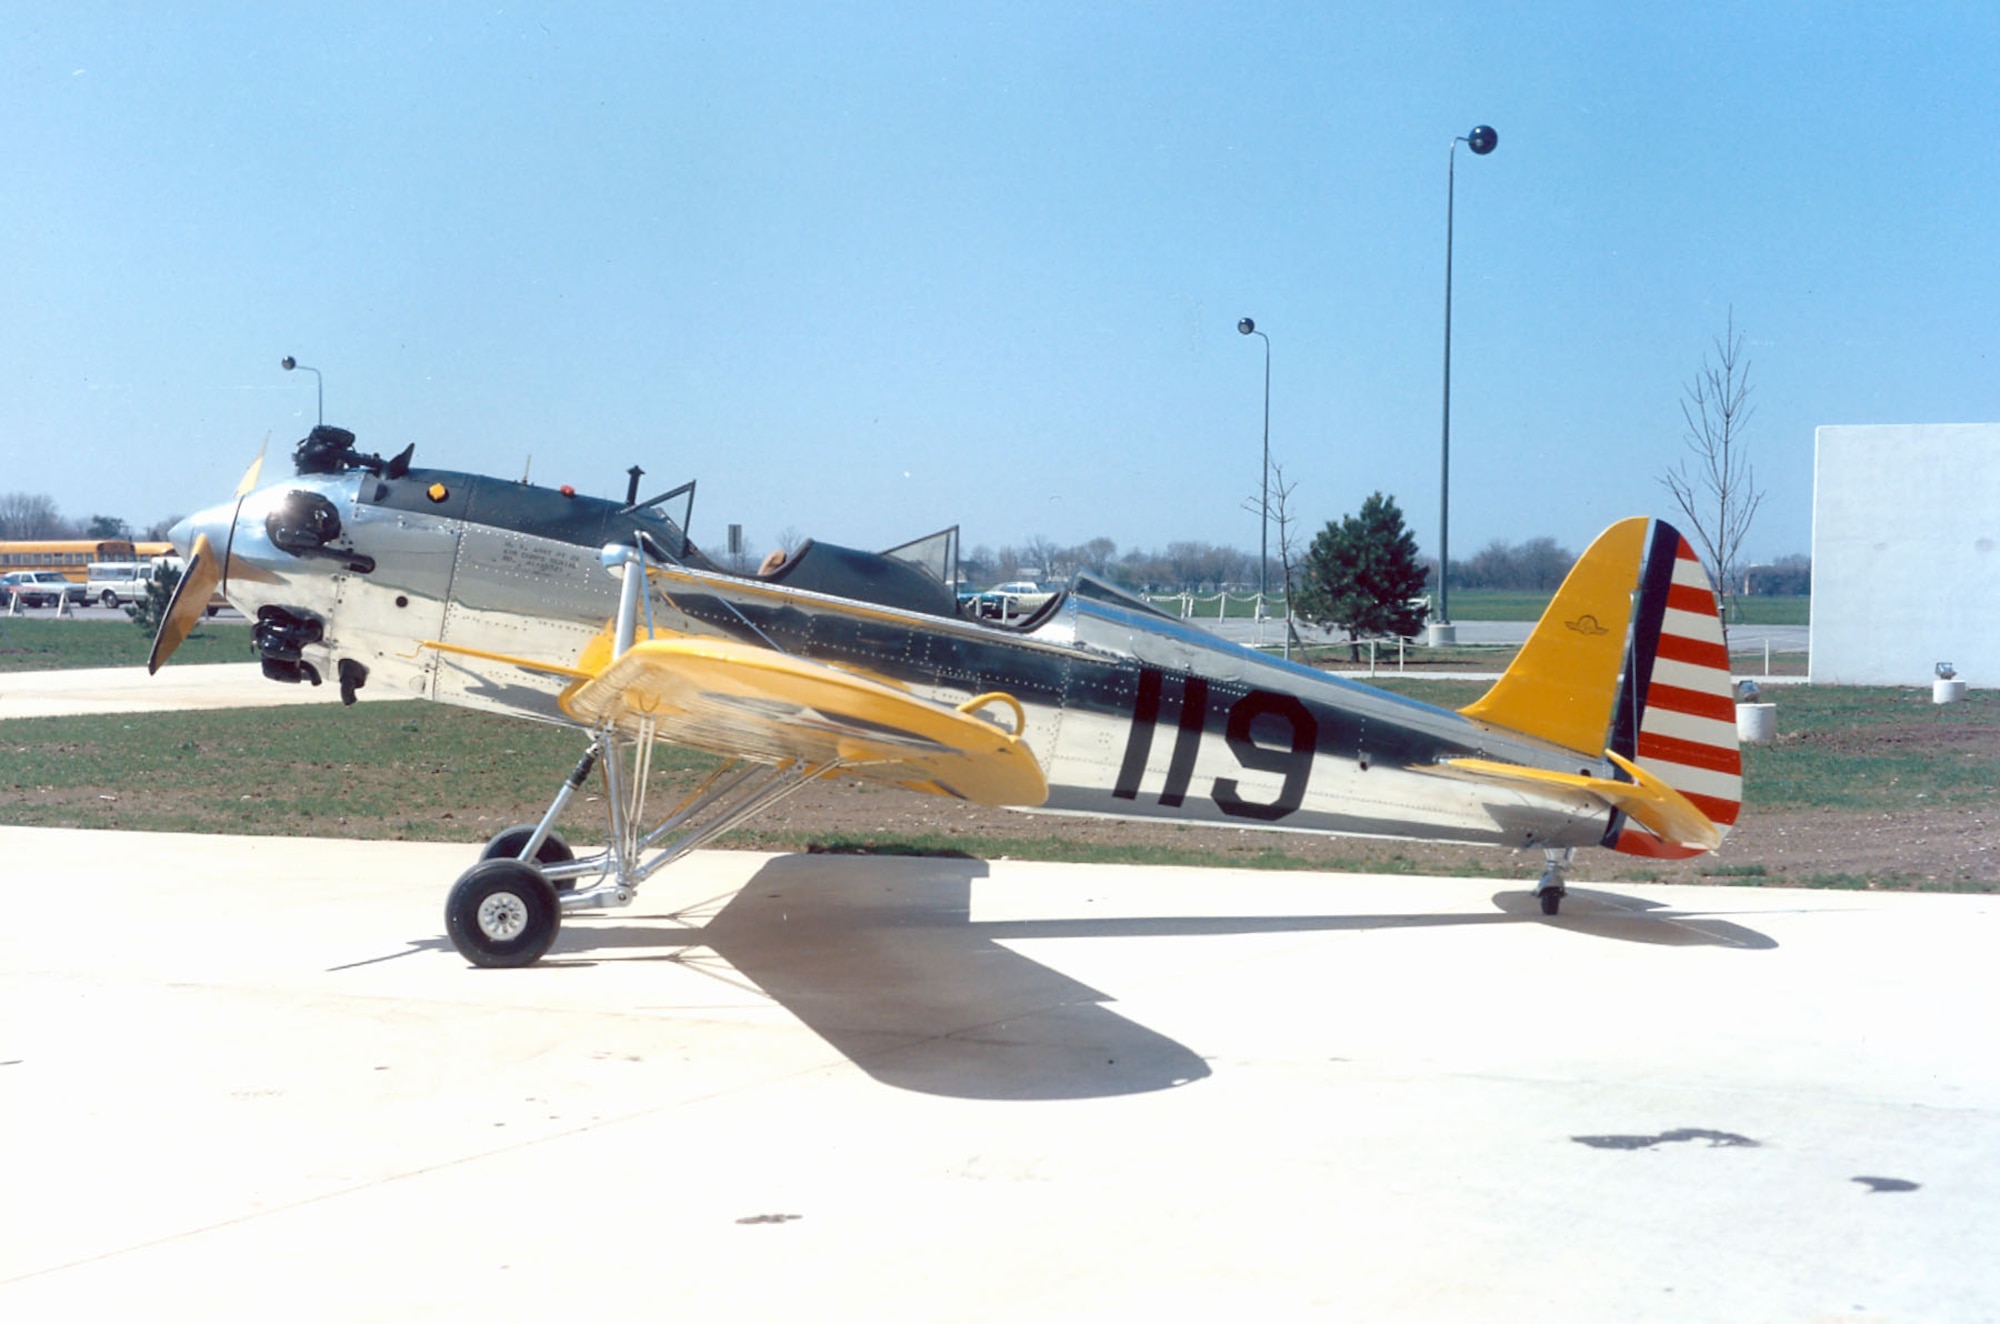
1012, 600
41, 588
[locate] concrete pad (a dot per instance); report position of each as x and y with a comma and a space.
249, 1079
131, 690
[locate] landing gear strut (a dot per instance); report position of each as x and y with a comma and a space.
1550, 890
505, 910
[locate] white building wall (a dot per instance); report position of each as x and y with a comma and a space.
1906, 553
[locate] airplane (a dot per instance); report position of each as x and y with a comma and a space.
1614, 726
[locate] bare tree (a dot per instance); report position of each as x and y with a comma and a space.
1050, 561
1288, 544
29, 515
1095, 556
1719, 495
1277, 501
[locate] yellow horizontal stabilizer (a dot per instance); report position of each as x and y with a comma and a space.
742, 701
1649, 801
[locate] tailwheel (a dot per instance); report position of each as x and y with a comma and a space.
1550, 890
502, 912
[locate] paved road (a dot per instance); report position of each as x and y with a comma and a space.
248, 1080
93, 612
131, 690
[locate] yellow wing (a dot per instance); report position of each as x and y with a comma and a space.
746, 702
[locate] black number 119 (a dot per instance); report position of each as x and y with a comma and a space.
1293, 758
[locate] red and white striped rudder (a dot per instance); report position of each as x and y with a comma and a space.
1676, 710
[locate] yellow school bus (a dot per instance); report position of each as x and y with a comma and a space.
71, 557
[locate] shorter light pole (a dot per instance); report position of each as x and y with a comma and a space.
1249, 328
288, 363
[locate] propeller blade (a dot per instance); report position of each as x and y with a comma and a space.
249, 481
244, 487
188, 604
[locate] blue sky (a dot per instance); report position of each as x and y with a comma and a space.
867, 270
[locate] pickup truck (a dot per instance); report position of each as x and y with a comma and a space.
115, 583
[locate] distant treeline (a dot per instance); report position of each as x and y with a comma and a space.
32, 516
1535, 566
1539, 565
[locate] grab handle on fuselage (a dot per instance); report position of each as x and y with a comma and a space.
972, 706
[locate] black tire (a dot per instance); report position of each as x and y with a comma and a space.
1551, 901
507, 845
502, 913
108, 598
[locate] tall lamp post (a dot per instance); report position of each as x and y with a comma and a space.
1481, 140
288, 363
1249, 328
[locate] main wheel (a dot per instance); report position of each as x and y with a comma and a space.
502, 912
507, 845
108, 598
1551, 901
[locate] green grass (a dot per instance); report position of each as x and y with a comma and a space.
1440, 693
1876, 749
429, 772
1770, 611
1485, 604
402, 770
1492, 604
417, 769
1843, 748
49, 644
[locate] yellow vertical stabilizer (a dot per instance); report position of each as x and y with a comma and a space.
1564, 682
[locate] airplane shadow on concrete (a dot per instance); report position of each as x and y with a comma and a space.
882, 959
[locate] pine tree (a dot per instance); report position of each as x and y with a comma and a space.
151, 608
1362, 575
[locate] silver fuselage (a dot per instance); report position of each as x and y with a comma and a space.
1129, 712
